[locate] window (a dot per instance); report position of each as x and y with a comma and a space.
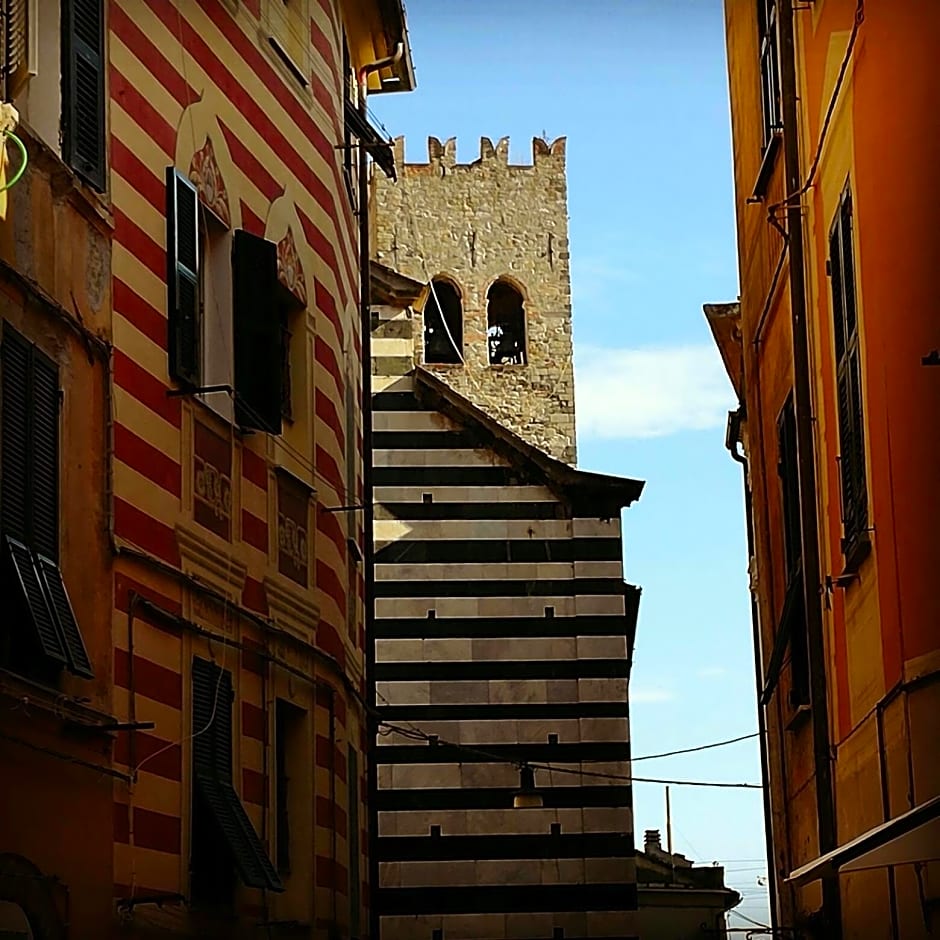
214, 330
443, 324
184, 322
288, 25
259, 334
83, 115
505, 325
290, 313
769, 68
224, 842
787, 470
848, 379
793, 619
289, 746
43, 635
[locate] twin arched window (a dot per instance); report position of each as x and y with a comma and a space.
505, 324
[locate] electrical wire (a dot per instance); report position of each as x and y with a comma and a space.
857, 22
15, 178
700, 747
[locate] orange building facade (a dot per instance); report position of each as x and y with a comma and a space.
182, 457
832, 352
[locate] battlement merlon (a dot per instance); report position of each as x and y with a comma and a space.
445, 154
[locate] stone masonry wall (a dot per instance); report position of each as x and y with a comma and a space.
475, 223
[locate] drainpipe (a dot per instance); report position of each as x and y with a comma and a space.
368, 514
831, 927
731, 442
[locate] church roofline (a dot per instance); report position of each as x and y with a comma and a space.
606, 495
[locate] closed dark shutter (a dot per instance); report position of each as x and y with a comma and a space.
61, 608
258, 337
852, 471
83, 103
44, 463
14, 438
790, 487
182, 277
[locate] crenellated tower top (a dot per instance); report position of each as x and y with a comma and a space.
493, 237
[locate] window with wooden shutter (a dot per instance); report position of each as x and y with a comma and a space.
83, 104
182, 278
258, 333
223, 835
16, 45
768, 37
789, 486
852, 471
44, 634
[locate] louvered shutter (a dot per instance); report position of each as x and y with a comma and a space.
14, 436
16, 44
182, 277
62, 613
209, 705
44, 622
83, 89
212, 764
44, 463
257, 333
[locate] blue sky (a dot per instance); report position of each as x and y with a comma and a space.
639, 87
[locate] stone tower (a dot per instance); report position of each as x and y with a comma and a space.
492, 238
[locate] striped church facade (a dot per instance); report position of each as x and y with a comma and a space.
503, 638
238, 628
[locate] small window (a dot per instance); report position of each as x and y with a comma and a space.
443, 324
42, 635
556, 829
83, 105
184, 322
768, 37
852, 470
289, 746
505, 325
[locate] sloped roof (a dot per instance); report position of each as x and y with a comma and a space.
725, 323
594, 494
393, 289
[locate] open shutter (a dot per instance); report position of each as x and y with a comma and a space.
27, 580
61, 608
258, 337
212, 765
182, 277
16, 45
14, 436
83, 92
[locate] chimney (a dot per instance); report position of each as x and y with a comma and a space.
652, 841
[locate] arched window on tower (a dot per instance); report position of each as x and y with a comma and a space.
505, 325
443, 324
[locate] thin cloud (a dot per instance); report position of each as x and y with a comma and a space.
712, 672
651, 391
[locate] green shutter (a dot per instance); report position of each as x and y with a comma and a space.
62, 613
182, 277
83, 104
258, 335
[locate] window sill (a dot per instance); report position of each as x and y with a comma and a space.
799, 716
32, 695
855, 551
768, 162
65, 182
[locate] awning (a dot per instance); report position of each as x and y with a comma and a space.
370, 139
913, 836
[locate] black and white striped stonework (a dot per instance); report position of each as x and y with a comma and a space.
503, 625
